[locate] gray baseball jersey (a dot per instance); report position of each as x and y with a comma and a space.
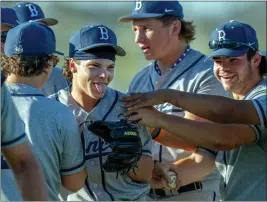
192, 74
12, 130
53, 133
12, 127
101, 185
55, 82
244, 169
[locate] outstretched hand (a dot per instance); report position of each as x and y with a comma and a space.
139, 100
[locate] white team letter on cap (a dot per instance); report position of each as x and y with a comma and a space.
104, 33
33, 10
222, 35
138, 5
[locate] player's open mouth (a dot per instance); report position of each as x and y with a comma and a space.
227, 78
100, 87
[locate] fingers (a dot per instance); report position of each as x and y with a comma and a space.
134, 104
131, 97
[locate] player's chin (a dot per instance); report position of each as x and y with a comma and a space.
97, 95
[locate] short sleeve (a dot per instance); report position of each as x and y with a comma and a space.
73, 156
12, 127
260, 106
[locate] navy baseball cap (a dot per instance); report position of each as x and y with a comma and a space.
9, 17
154, 9
93, 36
30, 39
233, 39
28, 11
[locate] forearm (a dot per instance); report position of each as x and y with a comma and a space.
214, 108
205, 134
143, 172
169, 140
31, 182
193, 169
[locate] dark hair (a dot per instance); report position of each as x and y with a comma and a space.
24, 65
188, 30
66, 69
262, 66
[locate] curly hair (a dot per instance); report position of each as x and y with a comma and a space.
66, 69
25, 65
188, 29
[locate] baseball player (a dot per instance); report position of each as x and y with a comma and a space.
238, 130
91, 63
164, 36
17, 152
27, 12
49, 125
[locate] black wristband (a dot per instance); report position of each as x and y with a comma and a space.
155, 133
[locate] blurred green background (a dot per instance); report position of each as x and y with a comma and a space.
205, 15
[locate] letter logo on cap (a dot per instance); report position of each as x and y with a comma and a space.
18, 49
138, 5
222, 35
33, 10
104, 33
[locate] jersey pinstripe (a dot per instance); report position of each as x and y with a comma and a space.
101, 185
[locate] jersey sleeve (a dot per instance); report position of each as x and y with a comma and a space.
146, 140
209, 152
12, 127
73, 156
260, 105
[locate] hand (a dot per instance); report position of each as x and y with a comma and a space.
138, 100
161, 177
147, 116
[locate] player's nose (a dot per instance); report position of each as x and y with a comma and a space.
139, 37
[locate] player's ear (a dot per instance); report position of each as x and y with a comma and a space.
72, 66
176, 28
255, 60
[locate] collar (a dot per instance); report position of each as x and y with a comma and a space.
23, 90
180, 59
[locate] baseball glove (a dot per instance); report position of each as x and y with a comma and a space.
124, 141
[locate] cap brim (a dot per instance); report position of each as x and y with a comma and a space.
10, 25
129, 18
48, 21
263, 53
224, 52
119, 51
59, 53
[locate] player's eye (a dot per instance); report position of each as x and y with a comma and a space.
92, 66
232, 60
111, 67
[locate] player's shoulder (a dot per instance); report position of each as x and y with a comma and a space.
203, 61
57, 70
143, 72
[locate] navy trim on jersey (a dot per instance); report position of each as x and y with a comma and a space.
262, 112
4, 164
225, 164
3, 78
170, 84
14, 140
172, 110
73, 168
258, 137
100, 146
150, 80
160, 153
26, 95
